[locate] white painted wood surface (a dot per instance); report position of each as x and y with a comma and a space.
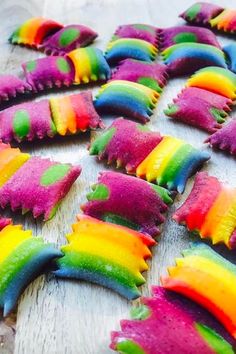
68, 317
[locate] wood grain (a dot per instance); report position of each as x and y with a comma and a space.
67, 317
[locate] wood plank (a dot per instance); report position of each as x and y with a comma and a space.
67, 317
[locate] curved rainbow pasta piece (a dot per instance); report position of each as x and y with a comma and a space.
126, 143
210, 210
168, 323
185, 58
59, 115
11, 86
125, 48
225, 21
38, 185
225, 139
106, 254
203, 276
182, 34
171, 163
67, 39
209, 78
23, 257
33, 31
144, 32
128, 201
152, 75
126, 98
201, 13
230, 51
200, 108
82, 65
52, 37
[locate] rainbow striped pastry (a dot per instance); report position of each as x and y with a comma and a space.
128, 99
60, 115
145, 32
82, 65
204, 276
128, 201
126, 143
225, 139
169, 163
209, 78
168, 323
23, 257
152, 75
52, 37
212, 15
106, 254
185, 58
200, 108
33, 183
186, 34
210, 210
12, 86
230, 51
125, 48
33, 31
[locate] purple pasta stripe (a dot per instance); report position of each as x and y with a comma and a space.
11, 86
225, 139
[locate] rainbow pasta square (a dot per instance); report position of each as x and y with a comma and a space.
201, 12
207, 278
106, 254
225, 138
209, 78
128, 99
186, 34
152, 75
185, 58
126, 143
52, 37
168, 323
35, 184
201, 108
141, 31
210, 210
128, 201
23, 257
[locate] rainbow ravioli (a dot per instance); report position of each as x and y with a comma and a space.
210, 210
185, 58
171, 163
141, 31
126, 143
33, 31
152, 75
125, 48
168, 323
200, 108
225, 139
106, 254
204, 276
209, 78
186, 34
128, 201
125, 98
52, 37
23, 257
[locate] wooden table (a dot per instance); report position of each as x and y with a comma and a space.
69, 317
